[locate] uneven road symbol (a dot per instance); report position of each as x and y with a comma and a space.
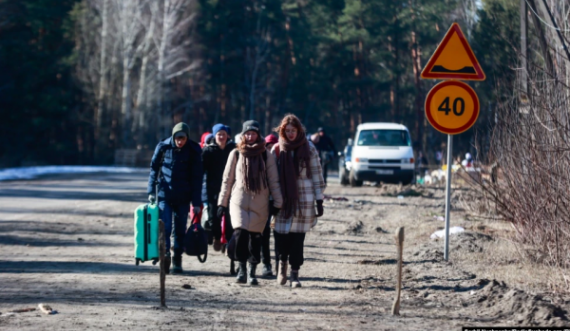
452, 107
453, 59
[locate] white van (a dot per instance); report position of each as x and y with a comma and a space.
382, 152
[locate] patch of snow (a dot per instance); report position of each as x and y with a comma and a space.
441, 233
33, 172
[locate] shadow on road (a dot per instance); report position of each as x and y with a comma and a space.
65, 267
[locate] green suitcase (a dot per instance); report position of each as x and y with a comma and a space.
146, 233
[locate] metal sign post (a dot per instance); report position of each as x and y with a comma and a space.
448, 194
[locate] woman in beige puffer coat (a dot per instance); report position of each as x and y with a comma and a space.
249, 179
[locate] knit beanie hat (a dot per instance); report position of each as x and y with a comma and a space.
271, 139
181, 128
219, 127
180, 134
250, 125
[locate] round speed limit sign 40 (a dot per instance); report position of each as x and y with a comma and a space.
452, 107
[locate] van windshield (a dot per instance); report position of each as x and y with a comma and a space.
383, 138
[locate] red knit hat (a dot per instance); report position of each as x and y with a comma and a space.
271, 139
203, 139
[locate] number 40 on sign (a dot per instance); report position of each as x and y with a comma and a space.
452, 107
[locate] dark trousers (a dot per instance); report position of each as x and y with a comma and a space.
290, 248
174, 216
213, 218
248, 246
265, 254
325, 167
216, 221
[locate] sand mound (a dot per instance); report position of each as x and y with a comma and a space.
498, 300
397, 190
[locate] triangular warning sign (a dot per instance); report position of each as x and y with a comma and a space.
453, 59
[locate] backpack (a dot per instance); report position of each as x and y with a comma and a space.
196, 241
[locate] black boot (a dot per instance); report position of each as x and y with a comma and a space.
241, 278
177, 265
251, 275
266, 271
233, 268
295, 278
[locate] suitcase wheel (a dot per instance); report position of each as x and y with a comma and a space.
137, 261
154, 261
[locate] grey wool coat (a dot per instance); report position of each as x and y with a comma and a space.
249, 211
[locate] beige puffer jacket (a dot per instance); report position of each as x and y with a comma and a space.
249, 211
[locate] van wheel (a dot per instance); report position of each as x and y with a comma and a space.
343, 177
352, 180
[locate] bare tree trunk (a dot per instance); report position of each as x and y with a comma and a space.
420, 123
268, 126
126, 102
395, 85
161, 74
142, 127
102, 70
542, 39
252, 88
255, 57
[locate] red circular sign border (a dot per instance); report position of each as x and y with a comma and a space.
471, 121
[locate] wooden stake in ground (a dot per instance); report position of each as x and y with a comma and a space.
162, 244
400, 246
22, 310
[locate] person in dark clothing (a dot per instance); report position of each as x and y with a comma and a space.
176, 168
422, 164
327, 151
215, 156
270, 140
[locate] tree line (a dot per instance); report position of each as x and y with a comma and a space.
80, 79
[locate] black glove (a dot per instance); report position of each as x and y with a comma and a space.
320, 210
222, 210
151, 199
274, 210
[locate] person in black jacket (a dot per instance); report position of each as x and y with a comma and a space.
327, 151
176, 168
215, 156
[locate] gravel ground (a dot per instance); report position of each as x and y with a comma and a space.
67, 241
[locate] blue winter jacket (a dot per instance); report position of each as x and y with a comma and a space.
180, 179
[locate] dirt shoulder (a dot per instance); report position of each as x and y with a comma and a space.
67, 242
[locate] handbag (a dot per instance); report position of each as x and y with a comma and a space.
196, 241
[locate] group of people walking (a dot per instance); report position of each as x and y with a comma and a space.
256, 184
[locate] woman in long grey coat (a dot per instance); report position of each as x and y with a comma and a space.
249, 178
302, 188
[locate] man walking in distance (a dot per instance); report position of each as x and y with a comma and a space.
327, 151
176, 168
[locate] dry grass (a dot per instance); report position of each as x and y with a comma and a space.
505, 260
